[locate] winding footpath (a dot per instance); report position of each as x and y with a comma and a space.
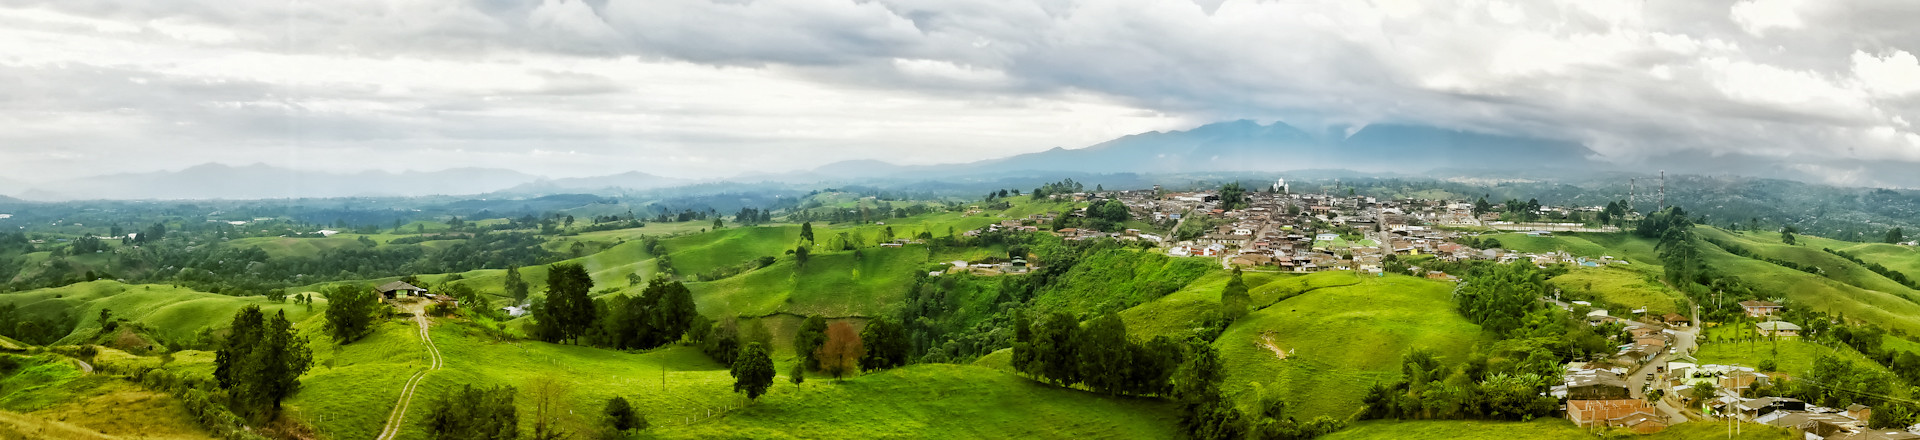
399, 413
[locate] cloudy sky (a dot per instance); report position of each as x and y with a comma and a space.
699, 88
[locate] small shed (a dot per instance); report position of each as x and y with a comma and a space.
395, 289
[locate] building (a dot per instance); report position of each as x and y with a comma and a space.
1878, 434
1633, 414
1757, 309
1778, 329
397, 288
1596, 385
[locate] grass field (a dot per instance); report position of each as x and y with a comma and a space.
1341, 340
1542, 429
834, 284
1883, 308
1620, 285
1636, 250
175, 313
684, 394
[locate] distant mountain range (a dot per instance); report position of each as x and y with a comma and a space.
1228, 147
1250, 146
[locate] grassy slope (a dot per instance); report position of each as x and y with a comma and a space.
1543, 429
1342, 340
938, 401
1621, 285
1835, 267
834, 284
175, 313
1822, 293
1741, 346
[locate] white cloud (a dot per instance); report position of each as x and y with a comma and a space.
1759, 16
703, 87
1897, 73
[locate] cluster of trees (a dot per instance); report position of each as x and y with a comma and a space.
1100, 356
1205, 413
1613, 213
260, 362
1835, 382
1105, 215
35, 330
660, 315
1501, 297
1476, 389
474, 413
1233, 196
753, 216
1065, 186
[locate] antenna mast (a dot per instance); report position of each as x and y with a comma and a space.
1663, 190
1630, 182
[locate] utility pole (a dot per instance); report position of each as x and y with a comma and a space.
1663, 190
1630, 182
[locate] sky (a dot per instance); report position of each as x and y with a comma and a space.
717, 88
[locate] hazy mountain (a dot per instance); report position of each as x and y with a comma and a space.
1250, 146
259, 181
632, 180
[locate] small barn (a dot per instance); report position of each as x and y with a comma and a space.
397, 288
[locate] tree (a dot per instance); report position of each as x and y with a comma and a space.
1233, 196
549, 395
350, 311
568, 312
1703, 392
1104, 353
1895, 235
842, 351
886, 344
1234, 299
717, 224
260, 362
1786, 234
798, 374
621, 417
806, 232
753, 371
473, 413
516, 286
800, 256
812, 334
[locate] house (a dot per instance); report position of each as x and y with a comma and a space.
1740, 380
1634, 414
1753, 409
395, 289
1675, 319
1778, 328
1756, 309
1860, 412
1594, 384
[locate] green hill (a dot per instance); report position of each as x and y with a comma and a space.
1326, 346
1543, 429
174, 313
832, 284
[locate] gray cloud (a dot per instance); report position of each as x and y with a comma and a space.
699, 88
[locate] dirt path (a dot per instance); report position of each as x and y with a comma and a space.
399, 413
1266, 340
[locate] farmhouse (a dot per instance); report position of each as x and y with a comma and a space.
1756, 309
1778, 328
395, 289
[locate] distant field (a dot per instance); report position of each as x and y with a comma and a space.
1341, 340
834, 284
1637, 250
1542, 429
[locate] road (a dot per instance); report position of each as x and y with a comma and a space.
399, 413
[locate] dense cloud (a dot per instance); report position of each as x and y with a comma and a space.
698, 88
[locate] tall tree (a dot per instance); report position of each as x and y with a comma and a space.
842, 351
569, 312
516, 286
621, 416
1895, 235
1234, 299
812, 334
350, 311
261, 362
886, 343
1786, 234
1103, 354
753, 371
549, 395
806, 231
